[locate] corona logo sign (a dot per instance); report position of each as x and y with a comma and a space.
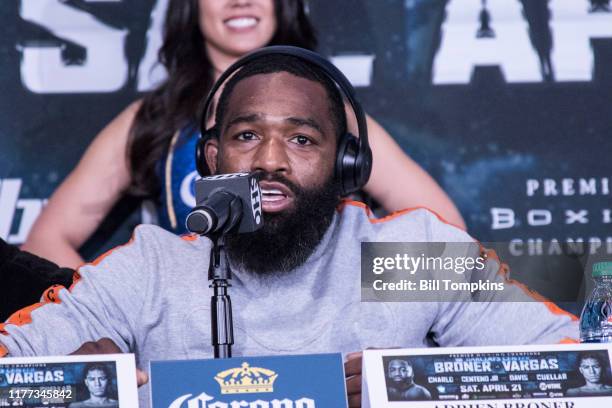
302, 381
246, 380
206, 401
242, 380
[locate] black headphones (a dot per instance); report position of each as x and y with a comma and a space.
354, 156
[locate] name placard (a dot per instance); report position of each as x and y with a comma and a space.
306, 381
106, 381
558, 376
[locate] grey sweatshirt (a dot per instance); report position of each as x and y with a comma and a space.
151, 297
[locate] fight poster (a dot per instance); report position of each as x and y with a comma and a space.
107, 381
494, 377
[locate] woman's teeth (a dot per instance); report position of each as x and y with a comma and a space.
241, 22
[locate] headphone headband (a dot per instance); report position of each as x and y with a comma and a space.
361, 160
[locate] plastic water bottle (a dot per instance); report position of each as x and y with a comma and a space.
596, 317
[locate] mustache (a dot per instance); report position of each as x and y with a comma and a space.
261, 175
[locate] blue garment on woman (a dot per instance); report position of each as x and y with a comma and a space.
177, 197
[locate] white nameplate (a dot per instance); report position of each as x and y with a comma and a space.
102, 380
553, 376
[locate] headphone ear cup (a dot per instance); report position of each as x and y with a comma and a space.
346, 161
201, 158
200, 153
363, 166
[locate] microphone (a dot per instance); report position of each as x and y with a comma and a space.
226, 204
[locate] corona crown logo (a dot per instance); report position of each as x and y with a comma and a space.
246, 380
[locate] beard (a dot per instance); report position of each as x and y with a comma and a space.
287, 238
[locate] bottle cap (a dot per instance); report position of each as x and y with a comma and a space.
602, 269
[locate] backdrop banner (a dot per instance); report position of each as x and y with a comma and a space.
508, 104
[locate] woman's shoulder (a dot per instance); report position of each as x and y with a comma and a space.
128, 114
113, 139
119, 128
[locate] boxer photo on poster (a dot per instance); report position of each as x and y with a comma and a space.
594, 375
98, 381
400, 381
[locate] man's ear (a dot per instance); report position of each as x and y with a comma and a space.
211, 152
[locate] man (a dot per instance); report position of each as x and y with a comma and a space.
401, 385
97, 378
296, 282
591, 368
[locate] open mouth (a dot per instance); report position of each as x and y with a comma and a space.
275, 196
241, 23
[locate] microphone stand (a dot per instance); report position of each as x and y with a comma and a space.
219, 274
226, 204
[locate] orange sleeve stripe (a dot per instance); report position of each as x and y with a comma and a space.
568, 340
354, 203
24, 316
504, 271
77, 276
3, 351
107, 253
189, 237
394, 214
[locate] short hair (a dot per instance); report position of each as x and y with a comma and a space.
400, 360
297, 66
592, 356
97, 366
405, 363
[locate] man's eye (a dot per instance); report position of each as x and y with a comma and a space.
302, 140
247, 136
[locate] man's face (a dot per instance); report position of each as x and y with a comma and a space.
96, 382
278, 124
399, 371
590, 370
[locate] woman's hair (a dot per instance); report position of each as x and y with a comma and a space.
176, 101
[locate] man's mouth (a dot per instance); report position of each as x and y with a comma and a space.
275, 196
241, 23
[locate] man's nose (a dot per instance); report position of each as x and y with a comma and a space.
271, 156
